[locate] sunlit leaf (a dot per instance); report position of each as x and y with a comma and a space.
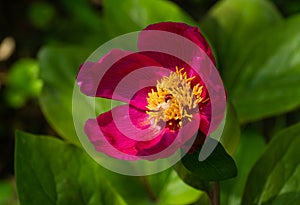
269, 82
231, 24
274, 178
250, 148
8, 195
59, 67
49, 171
23, 82
142, 190
136, 15
231, 133
176, 192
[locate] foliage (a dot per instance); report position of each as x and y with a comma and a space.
23, 72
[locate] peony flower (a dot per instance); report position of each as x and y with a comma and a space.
170, 104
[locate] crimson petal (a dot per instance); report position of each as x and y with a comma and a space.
205, 119
120, 75
171, 62
182, 29
125, 133
90, 73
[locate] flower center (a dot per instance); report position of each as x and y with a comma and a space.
174, 99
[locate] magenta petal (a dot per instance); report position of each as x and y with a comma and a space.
120, 75
124, 77
139, 100
125, 133
189, 32
158, 145
195, 35
133, 88
109, 132
171, 62
117, 133
90, 73
167, 60
170, 141
109, 146
205, 119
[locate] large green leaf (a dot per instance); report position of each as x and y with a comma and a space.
231, 24
217, 166
275, 177
58, 71
49, 171
131, 15
245, 158
271, 73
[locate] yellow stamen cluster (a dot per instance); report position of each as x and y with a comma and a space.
173, 98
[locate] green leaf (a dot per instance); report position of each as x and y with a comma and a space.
231, 24
161, 188
217, 166
176, 192
23, 82
59, 67
245, 157
271, 73
288, 7
191, 179
49, 171
41, 14
231, 133
136, 15
274, 178
138, 190
203, 200
8, 195
83, 13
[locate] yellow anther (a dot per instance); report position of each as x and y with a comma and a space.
174, 98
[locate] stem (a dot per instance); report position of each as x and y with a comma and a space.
217, 193
214, 194
148, 188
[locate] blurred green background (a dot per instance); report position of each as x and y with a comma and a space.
27, 26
